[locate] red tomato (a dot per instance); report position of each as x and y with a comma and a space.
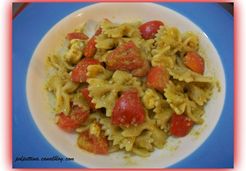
79, 72
180, 125
85, 93
157, 78
194, 62
128, 109
76, 35
125, 57
90, 48
92, 143
149, 29
70, 122
141, 72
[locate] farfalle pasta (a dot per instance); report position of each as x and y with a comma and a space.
129, 87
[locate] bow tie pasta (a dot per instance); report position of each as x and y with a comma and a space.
129, 87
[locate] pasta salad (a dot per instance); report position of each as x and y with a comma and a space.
128, 87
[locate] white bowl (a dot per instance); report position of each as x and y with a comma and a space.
175, 149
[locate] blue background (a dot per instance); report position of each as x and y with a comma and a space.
37, 18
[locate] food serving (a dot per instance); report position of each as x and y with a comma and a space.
128, 87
